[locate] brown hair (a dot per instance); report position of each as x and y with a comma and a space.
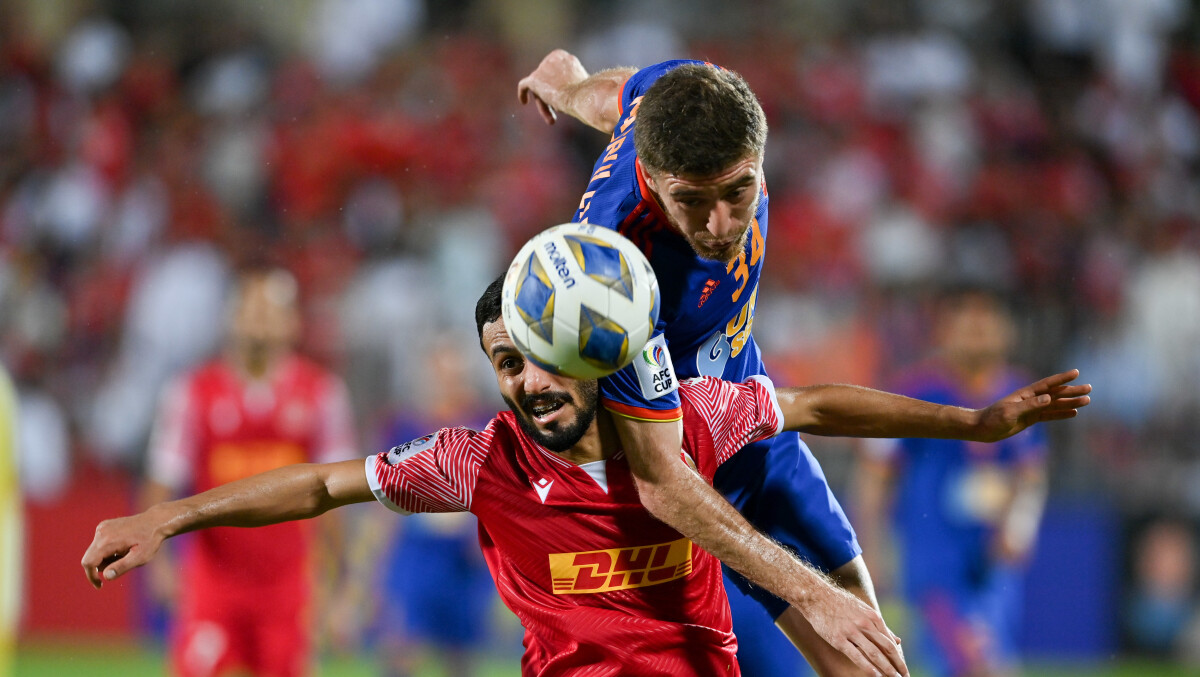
698, 120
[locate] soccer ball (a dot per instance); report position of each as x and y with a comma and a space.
580, 300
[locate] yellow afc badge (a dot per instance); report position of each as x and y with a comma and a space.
574, 573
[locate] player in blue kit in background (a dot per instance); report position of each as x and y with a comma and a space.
443, 615
966, 514
690, 191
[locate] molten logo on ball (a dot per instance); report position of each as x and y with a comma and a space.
580, 300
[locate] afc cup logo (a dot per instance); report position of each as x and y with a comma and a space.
409, 449
655, 356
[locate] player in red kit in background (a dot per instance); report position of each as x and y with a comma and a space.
244, 595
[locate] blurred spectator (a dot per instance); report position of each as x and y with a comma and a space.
349, 37
174, 320
966, 513
43, 443
243, 594
1162, 603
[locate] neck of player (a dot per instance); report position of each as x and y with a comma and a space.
599, 443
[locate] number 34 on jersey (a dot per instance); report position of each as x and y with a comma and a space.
722, 345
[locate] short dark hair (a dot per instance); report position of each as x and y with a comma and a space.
487, 309
698, 120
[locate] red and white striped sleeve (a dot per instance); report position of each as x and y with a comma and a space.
434, 473
172, 451
736, 413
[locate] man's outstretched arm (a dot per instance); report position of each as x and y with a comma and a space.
561, 84
854, 411
290, 493
681, 498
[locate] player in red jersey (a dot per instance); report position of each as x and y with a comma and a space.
600, 585
243, 595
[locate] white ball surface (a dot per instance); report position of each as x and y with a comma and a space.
580, 300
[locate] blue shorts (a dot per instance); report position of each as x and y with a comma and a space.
438, 590
780, 488
988, 611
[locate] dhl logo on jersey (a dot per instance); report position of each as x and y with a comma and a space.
574, 573
231, 461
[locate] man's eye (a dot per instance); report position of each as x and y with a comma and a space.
737, 195
508, 363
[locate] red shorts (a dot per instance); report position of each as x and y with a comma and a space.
243, 632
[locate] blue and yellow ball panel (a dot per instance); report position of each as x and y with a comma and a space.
534, 298
529, 355
602, 262
602, 342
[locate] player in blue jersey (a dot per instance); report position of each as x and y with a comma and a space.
682, 177
966, 514
694, 208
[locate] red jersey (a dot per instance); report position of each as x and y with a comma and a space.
215, 426
601, 586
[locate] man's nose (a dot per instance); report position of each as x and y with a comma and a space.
537, 380
720, 221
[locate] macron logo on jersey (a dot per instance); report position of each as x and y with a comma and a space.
542, 487
655, 373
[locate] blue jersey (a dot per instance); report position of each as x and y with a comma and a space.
706, 317
447, 605
950, 493
707, 307
949, 499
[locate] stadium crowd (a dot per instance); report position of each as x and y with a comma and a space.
1048, 149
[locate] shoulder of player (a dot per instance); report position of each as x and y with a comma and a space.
204, 377
453, 442
303, 367
483, 442
304, 375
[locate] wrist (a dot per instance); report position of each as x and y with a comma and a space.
167, 519
970, 423
812, 587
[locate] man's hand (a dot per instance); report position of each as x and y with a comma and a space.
854, 628
121, 545
1049, 399
560, 84
546, 84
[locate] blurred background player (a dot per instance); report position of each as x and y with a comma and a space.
11, 532
442, 616
244, 597
966, 514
